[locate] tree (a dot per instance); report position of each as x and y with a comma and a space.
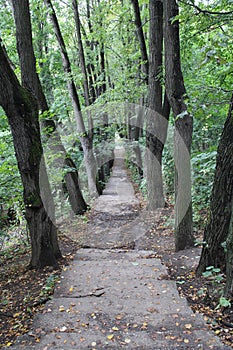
218, 231
31, 81
183, 127
141, 39
229, 258
22, 113
81, 53
156, 124
85, 140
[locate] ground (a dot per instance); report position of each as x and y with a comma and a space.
24, 292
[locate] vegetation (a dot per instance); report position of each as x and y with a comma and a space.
98, 69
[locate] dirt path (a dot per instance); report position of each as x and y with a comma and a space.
115, 295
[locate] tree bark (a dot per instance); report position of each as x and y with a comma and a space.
141, 39
156, 123
89, 159
183, 128
31, 81
218, 227
81, 52
22, 113
229, 259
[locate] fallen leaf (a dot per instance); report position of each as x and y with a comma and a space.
63, 329
118, 317
110, 336
127, 341
188, 326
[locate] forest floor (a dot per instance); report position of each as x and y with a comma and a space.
24, 292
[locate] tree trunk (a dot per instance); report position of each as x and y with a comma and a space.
103, 69
140, 111
141, 39
156, 123
218, 227
31, 81
229, 259
22, 113
81, 52
183, 128
89, 159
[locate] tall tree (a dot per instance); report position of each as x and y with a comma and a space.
85, 140
81, 53
183, 127
219, 227
157, 120
141, 39
31, 81
22, 113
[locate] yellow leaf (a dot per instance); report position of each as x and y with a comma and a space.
71, 289
110, 336
115, 329
188, 326
16, 314
127, 341
186, 341
217, 332
61, 308
9, 344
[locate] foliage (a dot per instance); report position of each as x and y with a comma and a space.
48, 288
11, 187
223, 302
203, 164
206, 53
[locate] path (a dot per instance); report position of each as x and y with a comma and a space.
111, 297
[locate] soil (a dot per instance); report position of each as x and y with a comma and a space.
24, 292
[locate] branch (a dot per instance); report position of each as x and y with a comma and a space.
207, 12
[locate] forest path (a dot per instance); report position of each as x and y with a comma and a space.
114, 294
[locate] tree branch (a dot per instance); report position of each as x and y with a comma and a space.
206, 12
